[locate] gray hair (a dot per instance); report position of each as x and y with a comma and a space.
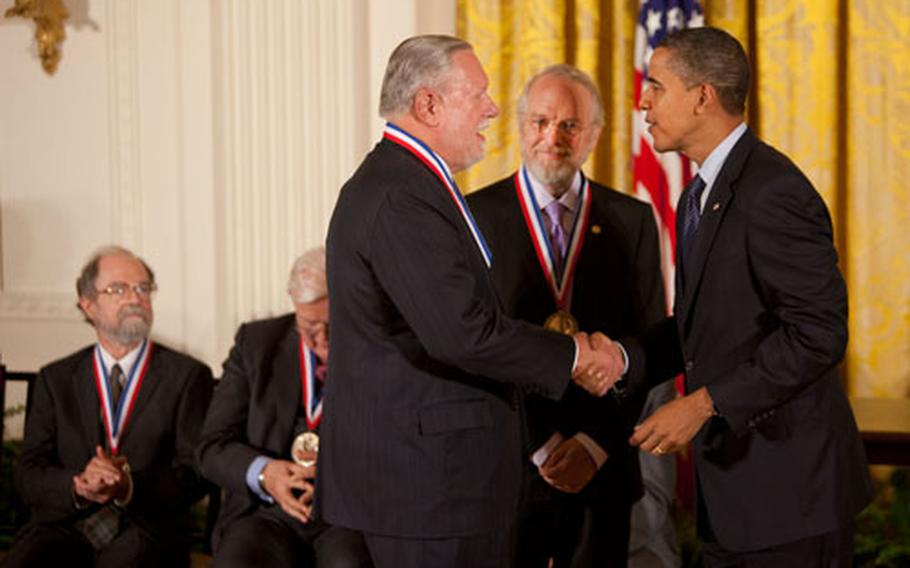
307, 281
574, 74
712, 56
417, 62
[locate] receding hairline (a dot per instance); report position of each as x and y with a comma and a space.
570, 75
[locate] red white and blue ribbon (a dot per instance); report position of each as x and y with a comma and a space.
116, 419
436, 164
560, 284
312, 404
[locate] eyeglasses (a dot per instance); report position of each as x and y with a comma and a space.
119, 289
541, 125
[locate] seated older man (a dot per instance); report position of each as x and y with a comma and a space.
260, 437
107, 463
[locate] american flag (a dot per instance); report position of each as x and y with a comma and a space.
660, 178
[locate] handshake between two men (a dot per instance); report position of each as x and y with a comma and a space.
600, 363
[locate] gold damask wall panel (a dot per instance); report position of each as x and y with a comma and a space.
731, 15
515, 39
796, 86
878, 214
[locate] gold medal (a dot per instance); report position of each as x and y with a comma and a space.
305, 442
563, 322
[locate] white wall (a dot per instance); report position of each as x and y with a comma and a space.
209, 137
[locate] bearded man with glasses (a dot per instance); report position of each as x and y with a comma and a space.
107, 462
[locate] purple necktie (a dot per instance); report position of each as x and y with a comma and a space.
557, 234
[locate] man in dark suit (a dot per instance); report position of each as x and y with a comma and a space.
421, 446
759, 326
259, 441
602, 244
107, 462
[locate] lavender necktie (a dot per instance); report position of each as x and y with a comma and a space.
557, 233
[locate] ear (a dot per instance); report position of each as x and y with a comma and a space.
427, 106
88, 307
707, 97
595, 135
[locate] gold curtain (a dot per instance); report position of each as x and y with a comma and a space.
831, 90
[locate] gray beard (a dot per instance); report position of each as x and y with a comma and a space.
127, 332
560, 176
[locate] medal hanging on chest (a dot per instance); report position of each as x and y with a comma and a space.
312, 406
116, 416
560, 285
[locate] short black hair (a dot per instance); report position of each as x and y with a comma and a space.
711, 55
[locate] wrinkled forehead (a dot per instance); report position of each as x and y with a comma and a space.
120, 267
554, 96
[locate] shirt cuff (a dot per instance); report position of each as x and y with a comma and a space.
575, 358
625, 358
597, 453
252, 477
539, 457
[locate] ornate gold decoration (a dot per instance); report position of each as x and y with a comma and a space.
49, 33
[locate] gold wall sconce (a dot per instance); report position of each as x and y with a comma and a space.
49, 16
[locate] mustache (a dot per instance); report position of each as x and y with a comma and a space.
132, 310
557, 149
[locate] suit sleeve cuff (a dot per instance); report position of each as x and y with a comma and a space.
252, 478
625, 359
597, 453
122, 503
539, 457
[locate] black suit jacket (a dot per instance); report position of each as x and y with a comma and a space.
617, 289
253, 412
420, 436
761, 320
64, 426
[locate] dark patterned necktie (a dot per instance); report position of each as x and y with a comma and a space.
103, 526
116, 384
691, 215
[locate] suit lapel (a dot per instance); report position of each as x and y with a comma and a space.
528, 252
286, 382
712, 216
156, 374
89, 407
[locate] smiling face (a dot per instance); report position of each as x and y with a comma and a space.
123, 320
670, 106
557, 132
466, 110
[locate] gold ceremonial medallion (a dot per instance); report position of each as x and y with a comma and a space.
563, 322
305, 442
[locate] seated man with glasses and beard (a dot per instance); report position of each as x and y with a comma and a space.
107, 461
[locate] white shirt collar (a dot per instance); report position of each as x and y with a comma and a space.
710, 168
126, 362
543, 197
